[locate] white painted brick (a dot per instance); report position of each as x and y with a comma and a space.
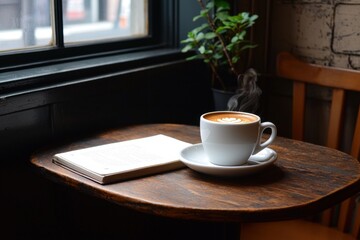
346, 38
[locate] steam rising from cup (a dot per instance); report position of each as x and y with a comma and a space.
247, 96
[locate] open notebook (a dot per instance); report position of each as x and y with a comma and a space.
123, 160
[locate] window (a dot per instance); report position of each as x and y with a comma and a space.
99, 20
43, 31
29, 23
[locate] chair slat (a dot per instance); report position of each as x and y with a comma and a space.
345, 216
336, 113
299, 92
327, 216
355, 148
356, 221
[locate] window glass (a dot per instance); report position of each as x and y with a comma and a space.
24, 24
28, 23
89, 20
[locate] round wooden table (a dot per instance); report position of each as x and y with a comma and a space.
305, 179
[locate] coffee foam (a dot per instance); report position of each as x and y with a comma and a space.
231, 118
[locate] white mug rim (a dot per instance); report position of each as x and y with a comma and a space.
237, 112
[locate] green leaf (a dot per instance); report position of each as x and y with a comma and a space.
193, 57
253, 18
187, 48
210, 35
235, 59
200, 37
234, 19
245, 16
241, 35
218, 56
210, 4
188, 40
234, 39
201, 28
204, 12
222, 29
197, 17
248, 46
202, 49
208, 52
221, 16
192, 34
230, 46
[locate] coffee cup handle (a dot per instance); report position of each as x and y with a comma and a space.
259, 145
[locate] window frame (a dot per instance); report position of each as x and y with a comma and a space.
160, 37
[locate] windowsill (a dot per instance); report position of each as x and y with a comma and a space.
13, 83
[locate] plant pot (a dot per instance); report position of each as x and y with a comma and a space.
221, 99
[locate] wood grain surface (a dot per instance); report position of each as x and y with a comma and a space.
304, 180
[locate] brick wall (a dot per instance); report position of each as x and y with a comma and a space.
323, 31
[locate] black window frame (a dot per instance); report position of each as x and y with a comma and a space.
162, 34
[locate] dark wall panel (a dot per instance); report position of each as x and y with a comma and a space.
21, 131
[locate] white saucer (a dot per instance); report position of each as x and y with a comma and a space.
195, 158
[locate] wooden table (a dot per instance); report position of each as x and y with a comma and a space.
304, 180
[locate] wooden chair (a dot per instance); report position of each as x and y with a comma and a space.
347, 216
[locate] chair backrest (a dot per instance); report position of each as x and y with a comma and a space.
340, 81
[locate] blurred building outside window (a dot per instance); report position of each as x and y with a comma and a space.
30, 23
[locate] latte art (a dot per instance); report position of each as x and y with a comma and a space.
229, 120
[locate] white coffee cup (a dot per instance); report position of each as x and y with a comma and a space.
229, 138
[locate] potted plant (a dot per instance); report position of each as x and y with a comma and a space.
219, 42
